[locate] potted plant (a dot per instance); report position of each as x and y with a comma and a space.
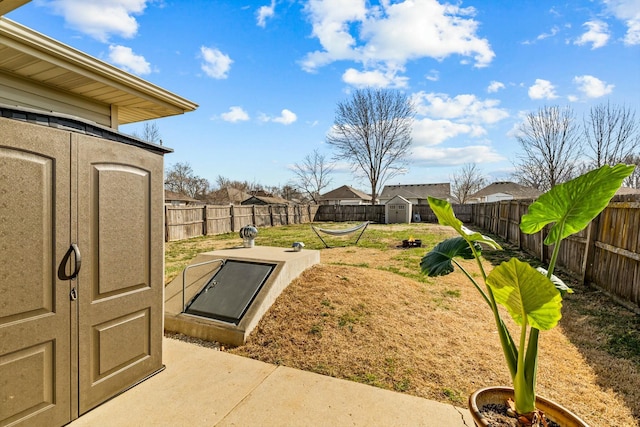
532, 297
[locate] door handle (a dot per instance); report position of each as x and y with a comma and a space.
62, 275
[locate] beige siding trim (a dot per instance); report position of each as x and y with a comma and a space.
20, 92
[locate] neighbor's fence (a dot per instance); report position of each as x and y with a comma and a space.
184, 222
605, 254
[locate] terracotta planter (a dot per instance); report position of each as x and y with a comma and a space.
499, 395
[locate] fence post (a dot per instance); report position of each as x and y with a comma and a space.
232, 218
166, 223
253, 214
589, 249
204, 220
519, 217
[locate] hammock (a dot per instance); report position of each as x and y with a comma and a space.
342, 232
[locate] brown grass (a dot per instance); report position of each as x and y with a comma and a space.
359, 315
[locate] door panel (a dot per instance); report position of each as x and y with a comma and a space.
120, 286
35, 307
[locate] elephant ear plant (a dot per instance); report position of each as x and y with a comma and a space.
533, 297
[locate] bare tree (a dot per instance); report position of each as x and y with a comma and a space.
466, 181
612, 134
550, 141
372, 132
246, 186
181, 179
312, 175
150, 133
633, 180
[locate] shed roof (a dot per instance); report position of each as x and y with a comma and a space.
507, 187
267, 200
345, 192
34, 57
172, 195
417, 191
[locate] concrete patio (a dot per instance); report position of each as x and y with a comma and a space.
205, 387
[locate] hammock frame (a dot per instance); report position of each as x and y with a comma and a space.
362, 227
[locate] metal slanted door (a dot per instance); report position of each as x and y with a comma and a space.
120, 286
35, 306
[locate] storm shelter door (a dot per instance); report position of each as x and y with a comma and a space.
35, 305
120, 199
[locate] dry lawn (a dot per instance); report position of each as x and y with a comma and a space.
363, 315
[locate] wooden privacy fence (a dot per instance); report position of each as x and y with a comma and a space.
605, 254
184, 222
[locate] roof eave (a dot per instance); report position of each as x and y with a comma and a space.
60, 55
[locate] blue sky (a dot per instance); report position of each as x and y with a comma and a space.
267, 75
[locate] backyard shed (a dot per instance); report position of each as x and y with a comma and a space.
82, 229
398, 210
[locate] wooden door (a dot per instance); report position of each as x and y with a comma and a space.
120, 199
35, 305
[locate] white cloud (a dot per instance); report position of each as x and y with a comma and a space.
216, 64
454, 156
542, 89
286, 117
495, 86
592, 87
627, 11
464, 108
554, 30
433, 76
235, 114
427, 132
374, 78
124, 58
100, 19
265, 12
388, 35
597, 34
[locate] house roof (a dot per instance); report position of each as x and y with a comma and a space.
507, 187
38, 59
227, 195
626, 191
417, 191
269, 200
172, 195
345, 192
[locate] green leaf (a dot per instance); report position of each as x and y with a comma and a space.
574, 204
437, 262
528, 295
444, 212
557, 282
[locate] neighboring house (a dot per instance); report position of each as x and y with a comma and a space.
416, 193
504, 190
265, 200
344, 195
177, 199
227, 196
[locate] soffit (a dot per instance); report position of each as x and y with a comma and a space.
33, 56
7, 6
